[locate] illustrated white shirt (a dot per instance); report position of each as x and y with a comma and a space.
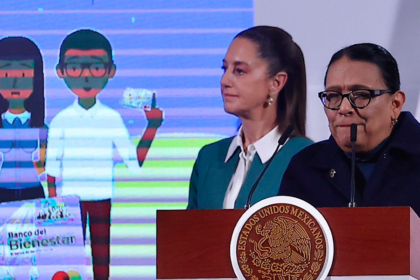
81, 150
23, 117
264, 147
19, 149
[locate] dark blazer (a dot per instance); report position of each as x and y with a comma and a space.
211, 176
320, 174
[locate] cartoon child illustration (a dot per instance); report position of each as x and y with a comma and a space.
82, 138
23, 133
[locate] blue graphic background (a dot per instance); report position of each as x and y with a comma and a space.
173, 47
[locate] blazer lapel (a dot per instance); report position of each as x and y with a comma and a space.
337, 171
252, 176
220, 176
381, 175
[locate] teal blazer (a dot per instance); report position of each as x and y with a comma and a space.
211, 176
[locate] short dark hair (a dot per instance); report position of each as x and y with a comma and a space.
85, 39
21, 48
374, 54
281, 53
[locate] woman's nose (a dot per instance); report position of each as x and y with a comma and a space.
226, 80
346, 107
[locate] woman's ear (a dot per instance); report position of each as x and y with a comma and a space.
398, 100
277, 83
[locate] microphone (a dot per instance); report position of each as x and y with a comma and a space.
353, 138
287, 132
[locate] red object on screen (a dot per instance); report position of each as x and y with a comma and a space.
60, 275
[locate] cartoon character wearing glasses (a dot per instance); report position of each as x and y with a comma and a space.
83, 136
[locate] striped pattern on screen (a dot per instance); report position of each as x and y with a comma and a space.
173, 47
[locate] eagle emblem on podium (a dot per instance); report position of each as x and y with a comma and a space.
286, 244
286, 240
280, 242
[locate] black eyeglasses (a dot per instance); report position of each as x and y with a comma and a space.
96, 69
358, 98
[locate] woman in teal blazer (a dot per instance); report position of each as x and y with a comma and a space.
264, 84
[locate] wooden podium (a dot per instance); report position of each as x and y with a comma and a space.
367, 242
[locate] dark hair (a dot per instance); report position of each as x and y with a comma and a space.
375, 54
85, 39
278, 49
21, 48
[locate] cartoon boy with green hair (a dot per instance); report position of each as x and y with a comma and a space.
82, 138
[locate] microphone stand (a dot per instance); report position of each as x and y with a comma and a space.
281, 142
353, 138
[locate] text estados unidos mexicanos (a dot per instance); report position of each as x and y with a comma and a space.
306, 219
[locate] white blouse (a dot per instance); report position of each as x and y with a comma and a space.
264, 147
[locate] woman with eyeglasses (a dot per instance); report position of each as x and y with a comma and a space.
362, 87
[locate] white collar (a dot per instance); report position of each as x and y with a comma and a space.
23, 117
89, 112
265, 146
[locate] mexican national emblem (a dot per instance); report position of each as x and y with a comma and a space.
280, 241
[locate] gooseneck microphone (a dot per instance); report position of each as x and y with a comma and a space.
287, 132
353, 138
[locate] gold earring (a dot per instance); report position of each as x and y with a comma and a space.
394, 122
270, 101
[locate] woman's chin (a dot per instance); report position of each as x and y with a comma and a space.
345, 147
230, 110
